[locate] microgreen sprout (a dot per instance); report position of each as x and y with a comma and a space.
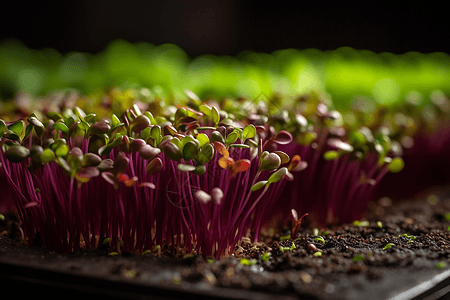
296, 222
283, 249
440, 265
2, 217
361, 223
379, 224
248, 262
388, 246
317, 254
447, 216
266, 256
315, 231
157, 249
326, 232
319, 239
285, 237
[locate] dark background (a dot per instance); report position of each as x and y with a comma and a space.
228, 27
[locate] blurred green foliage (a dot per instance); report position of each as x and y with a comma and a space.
345, 74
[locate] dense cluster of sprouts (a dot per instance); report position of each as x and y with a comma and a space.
196, 177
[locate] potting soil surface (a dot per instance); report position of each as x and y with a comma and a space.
399, 250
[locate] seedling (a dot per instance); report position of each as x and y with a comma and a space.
285, 237
266, 256
440, 265
388, 246
315, 231
283, 249
317, 254
379, 224
248, 262
296, 222
361, 223
319, 239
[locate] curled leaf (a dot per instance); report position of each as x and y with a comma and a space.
283, 137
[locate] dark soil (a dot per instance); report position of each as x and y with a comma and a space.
354, 262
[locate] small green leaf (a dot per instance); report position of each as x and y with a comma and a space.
17, 129
330, 155
190, 151
202, 139
200, 170
62, 127
440, 265
47, 156
249, 132
258, 185
266, 256
62, 150
2, 128
206, 154
240, 146
285, 237
277, 176
379, 224
248, 262
396, 165
215, 116
388, 246
317, 254
319, 239
206, 109
231, 138
217, 137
